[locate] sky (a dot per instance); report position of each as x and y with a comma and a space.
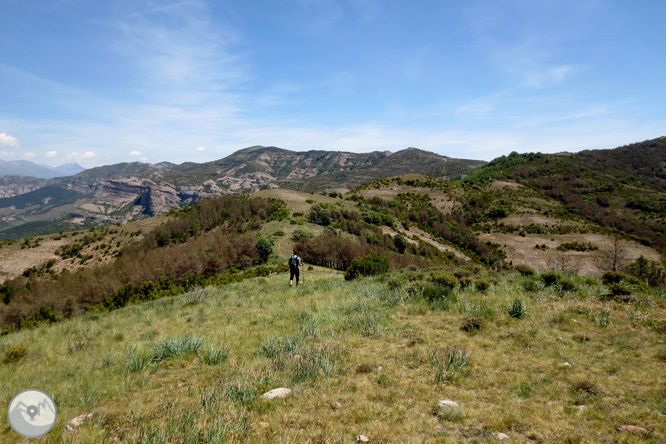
105, 81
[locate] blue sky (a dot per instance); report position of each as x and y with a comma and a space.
100, 82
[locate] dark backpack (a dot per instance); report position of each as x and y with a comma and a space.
293, 262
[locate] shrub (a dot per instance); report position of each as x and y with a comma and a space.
567, 285
278, 234
370, 265
15, 354
616, 277
444, 279
320, 215
577, 246
264, 248
524, 269
651, 272
516, 309
43, 314
433, 293
482, 285
498, 212
466, 282
302, 233
550, 278
530, 286
400, 243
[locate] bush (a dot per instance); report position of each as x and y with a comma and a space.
567, 285
482, 285
524, 270
264, 248
466, 282
320, 215
370, 265
435, 293
649, 271
302, 233
400, 243
444, 279
498, 212
15, 354
550, 278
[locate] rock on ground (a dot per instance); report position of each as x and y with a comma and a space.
502, 437
278, 393
362, 438
634, 429
73, 423
447, 404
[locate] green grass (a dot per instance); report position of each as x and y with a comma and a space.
169, 371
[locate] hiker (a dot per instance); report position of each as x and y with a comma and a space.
294, 262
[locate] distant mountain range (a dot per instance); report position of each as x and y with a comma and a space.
128, 191
31, 169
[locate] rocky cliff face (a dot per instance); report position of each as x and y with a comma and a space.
125, 199
14, 185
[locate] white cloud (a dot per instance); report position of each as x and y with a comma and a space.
6, 153
51, 154
6, 139
78, 157
29, 155
135, 153
201, 149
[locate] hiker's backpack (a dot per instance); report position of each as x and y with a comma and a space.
293, 262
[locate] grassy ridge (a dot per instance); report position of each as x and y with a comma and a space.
362, 357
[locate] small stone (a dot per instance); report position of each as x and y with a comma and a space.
634, 429
445, 404
278, 393
336, 405
565, 365
79, 420
362, 438
72, 424
502, 437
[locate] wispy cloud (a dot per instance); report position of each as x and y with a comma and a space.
51, 154
29, 155
163, 8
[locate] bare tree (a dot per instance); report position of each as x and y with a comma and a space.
614, 256
561, 262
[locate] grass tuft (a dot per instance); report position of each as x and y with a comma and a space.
175, 347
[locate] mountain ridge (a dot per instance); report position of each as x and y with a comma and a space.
133, 190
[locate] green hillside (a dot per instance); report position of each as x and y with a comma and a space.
622, 189
371, 357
